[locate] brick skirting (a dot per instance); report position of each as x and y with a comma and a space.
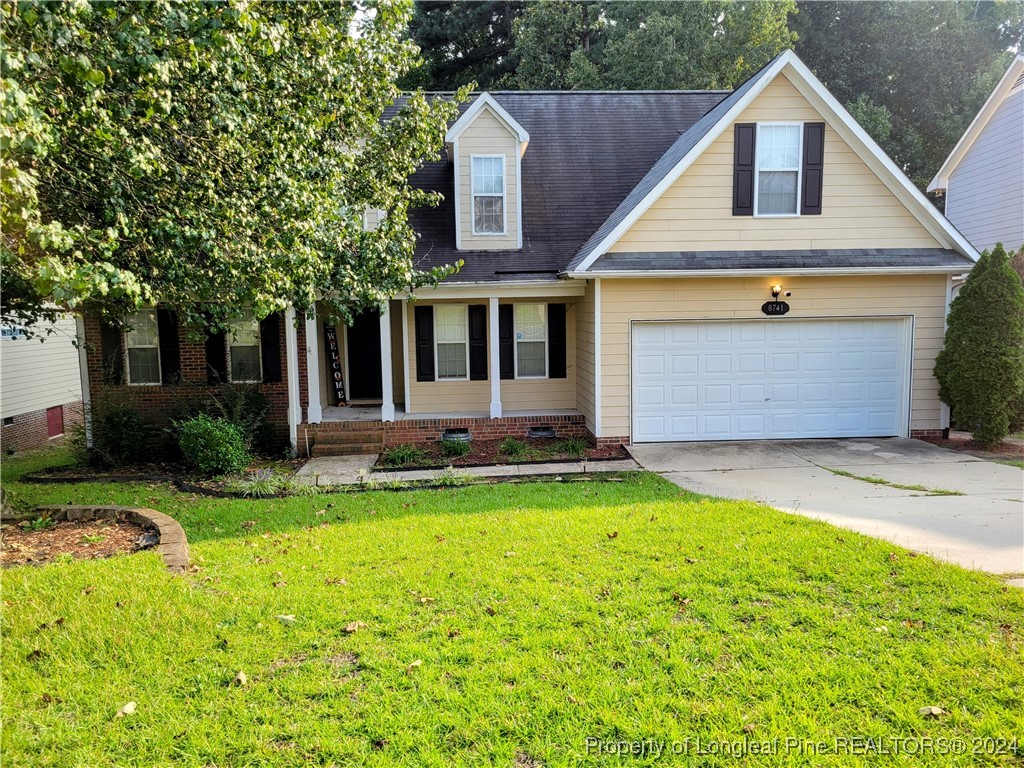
922, 433
429, 430
28, 430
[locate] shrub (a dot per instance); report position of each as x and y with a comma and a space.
981, 366
573, 446
452, 449
119, 435
513, 447
213, 446
402, 455
247, 408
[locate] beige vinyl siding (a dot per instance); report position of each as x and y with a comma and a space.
695, 213
585, 356
622, 301
475, 396
488, 136
36, 375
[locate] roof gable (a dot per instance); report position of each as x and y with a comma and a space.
482, 102
682, 154
1011, 80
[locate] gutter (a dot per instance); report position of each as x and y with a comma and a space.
815, 272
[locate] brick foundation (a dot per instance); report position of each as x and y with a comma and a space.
414, 430
922, 433
604, 442
28, 430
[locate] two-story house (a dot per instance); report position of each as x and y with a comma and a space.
639, 266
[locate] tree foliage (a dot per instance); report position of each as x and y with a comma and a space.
918, 71
210, 156
981, 366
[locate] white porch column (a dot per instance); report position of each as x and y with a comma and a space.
492, 327
314, 413
387, 408
291, 355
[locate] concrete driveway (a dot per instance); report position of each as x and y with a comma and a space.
982, 529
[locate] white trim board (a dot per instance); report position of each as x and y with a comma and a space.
502, 290
841, 122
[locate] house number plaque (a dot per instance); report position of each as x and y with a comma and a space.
775, 308
334, 363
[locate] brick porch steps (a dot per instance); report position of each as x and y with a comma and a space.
347, 438
344, 449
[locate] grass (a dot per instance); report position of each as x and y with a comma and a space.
503, 626
882, 481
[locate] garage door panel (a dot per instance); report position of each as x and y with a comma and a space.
769, 379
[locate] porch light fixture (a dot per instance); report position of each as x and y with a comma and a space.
776, 290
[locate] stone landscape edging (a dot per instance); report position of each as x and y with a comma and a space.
172, 546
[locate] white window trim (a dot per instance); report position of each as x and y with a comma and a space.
159, 363
504, 197
515, 350
437, 367
259, 356
799, 169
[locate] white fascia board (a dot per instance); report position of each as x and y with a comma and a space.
485, 100
878, 161
641, 208
503, 290
1003, 87
819, 272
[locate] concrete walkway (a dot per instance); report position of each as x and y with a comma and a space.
355, 470
982, 529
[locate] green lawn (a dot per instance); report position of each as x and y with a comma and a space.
503, 626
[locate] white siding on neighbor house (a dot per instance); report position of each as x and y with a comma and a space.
35, 375
985, 196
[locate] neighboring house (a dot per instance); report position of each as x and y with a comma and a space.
983, 177
639, 266
40, 385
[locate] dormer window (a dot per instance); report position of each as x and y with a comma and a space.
488, 190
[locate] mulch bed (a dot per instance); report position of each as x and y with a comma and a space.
82, 539
484, 453
961, 441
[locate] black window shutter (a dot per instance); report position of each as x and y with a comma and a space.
556, 341
478, 342
744, 153
111, 340
170, 356
814, 162
506, 341
270, 348
424, 343
216, 358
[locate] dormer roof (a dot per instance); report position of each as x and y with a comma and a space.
482, 102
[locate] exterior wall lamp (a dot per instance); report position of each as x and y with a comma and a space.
776, 290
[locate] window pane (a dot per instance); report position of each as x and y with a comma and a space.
488, 175
777, 192
488, 215
451, 361
530, 322
245, 330
144, 365
778, 146
450, 323
531, 358
144, 330
245, 363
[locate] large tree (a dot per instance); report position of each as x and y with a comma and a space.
634, 46
210, 156
914, 74
463, 42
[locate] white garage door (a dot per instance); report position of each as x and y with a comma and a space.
754, 380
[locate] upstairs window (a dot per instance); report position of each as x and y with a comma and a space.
778, 169
451, 334
142, 348
244, 358
488, 191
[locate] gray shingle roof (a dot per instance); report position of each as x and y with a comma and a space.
587, 151
859, 258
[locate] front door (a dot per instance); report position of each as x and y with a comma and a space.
363, 348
